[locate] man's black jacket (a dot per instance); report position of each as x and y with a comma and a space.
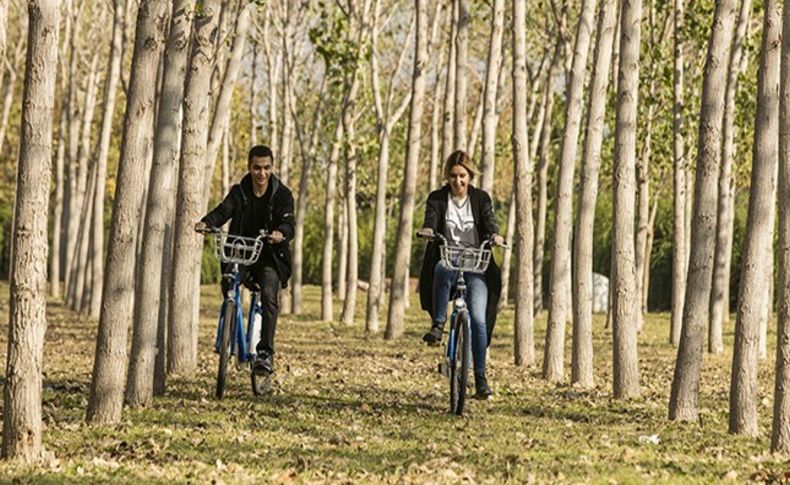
435, 215
237, 207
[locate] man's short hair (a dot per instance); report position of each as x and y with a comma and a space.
260, 151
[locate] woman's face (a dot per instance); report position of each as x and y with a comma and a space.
459, 180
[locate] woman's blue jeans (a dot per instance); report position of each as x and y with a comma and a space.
444, 279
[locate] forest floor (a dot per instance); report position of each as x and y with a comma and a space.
351, 408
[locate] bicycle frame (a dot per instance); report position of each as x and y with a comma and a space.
244, 340
459, 304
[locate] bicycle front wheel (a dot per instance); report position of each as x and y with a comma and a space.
459, 365
228, 327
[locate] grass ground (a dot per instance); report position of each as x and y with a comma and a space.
351, 408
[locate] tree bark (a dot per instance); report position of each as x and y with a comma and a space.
110, 361
560, 291
490, 96
523, 342
350, 302
148, 321
27, 319
110, 88
461, 52
719, 295
329, 225
582, 355
403, 238
449, 89
685, 383
759, 237
780, 426
679, 181
184, 290
625, 300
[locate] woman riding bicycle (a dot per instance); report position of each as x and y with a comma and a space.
464, 215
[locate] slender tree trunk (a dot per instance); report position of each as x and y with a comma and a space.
524, 342
719, 296
759, 237
342, 263
651, 225
27, 320
449, 88
780, 427
685, 383
57, 217
490, 96
560, 291
679, 179
329, 226
436, 126
400, 278
625, 301
461, 53
149, 326
273, 66
350, 302
110, 88
185, 289
767, 305
582, 356
110, 361
643, 202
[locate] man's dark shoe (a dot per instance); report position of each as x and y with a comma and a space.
263, 364
434, 337
481, 387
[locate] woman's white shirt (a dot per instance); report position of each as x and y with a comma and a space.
460, 223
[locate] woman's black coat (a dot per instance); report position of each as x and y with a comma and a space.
435, 215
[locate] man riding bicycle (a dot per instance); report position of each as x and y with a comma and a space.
260, 202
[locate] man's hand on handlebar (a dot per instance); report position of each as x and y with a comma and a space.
201, 227
276, 237
497, 240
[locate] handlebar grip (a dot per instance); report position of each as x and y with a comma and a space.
207, 230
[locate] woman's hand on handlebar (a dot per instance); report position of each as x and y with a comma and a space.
426, 233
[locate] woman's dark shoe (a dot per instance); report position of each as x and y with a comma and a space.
434, 337
481, 387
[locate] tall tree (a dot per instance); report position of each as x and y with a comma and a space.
625, 300
560, 291
387, 115
685, 383
720, 294
582, 355
524, 344
160, 211
780, 427
448, 114
490, 95
679, 179
403, 238
27, 320
759, 237
461, 54
181, 353
110, 360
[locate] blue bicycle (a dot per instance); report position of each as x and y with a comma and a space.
233, 337
458, 350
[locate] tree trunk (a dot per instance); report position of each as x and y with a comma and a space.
490, 96
759, 237
643, 202
651, 226
625, 300
350, 302
679, 179
560, 291
719, 296
110, 361
329, 226
523, 338
148, 321
449, 89
582, 355
780, 427
403, 238
57, 217
685, 383
185, 290
110, 88
273, 67
461, 53
27, 320
342, 263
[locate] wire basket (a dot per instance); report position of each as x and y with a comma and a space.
468, 260
237, 249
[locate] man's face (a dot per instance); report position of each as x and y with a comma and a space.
260, 170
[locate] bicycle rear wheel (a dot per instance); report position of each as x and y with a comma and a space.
459, 365
228, 327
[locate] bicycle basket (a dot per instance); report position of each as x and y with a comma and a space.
469, 260
237, 249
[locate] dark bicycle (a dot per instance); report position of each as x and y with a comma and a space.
458, 350
233, 337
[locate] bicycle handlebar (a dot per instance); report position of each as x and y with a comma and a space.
430, 235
